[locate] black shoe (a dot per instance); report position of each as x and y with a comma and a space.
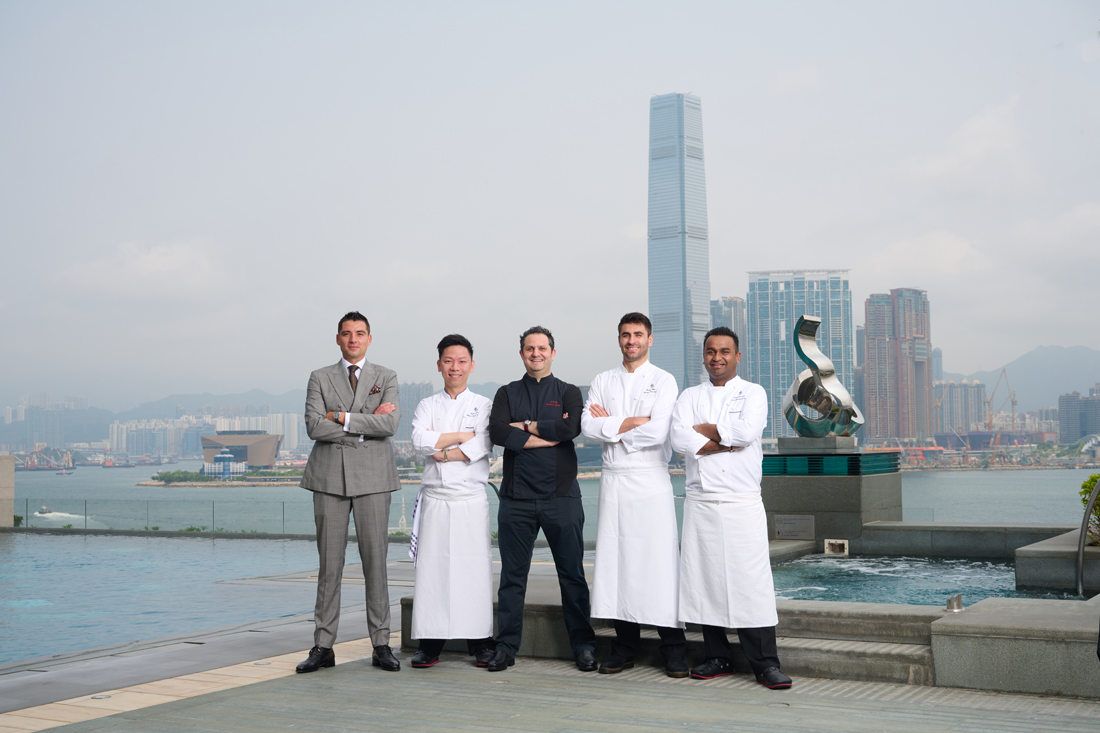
676, 667
712, 668
319, 656
773, 679
483, 657
500, 661
383, 657
422, 659
614, 664
586, 660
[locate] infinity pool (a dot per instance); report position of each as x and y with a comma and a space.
63, 593
920, 581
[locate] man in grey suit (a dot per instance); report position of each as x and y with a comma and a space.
351, 412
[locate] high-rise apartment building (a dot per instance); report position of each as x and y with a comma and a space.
776, 300
937, 364
730, 312
960, 407
409, 396
898, 378
1078, 416
679, 253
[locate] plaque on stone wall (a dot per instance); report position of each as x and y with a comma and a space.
794, 527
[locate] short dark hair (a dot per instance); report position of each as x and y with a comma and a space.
352, 316
537, 329
641, 318
454, 339
722, 331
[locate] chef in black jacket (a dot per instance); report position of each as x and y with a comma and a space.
536, 419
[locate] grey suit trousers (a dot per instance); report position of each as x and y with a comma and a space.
372, 520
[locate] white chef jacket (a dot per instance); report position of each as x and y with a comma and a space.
740, 410
649, 392
438, 414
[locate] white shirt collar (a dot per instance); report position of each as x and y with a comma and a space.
345, 363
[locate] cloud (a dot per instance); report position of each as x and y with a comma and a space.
186, 270
1090, 51
799, 81
985, 154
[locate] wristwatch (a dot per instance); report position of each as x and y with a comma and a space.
526, 426
339, 417
445, 458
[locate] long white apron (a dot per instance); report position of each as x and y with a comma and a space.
637, 557
725, 569
453, 595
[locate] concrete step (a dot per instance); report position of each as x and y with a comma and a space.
905, 664
872, 622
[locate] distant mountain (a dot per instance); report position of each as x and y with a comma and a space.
292, 401
1042, 374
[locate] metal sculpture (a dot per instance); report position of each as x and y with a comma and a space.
819, 389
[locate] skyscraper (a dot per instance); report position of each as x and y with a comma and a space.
729, 312
776, 299
679, 253
899, 366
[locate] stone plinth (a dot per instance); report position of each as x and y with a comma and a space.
826, 479
1042, 647
818, 446
7, 491
1052, 565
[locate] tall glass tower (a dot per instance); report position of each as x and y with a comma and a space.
679, 253
776, 299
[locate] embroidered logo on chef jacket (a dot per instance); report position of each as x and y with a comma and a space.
737, 404
471, 417
651, 389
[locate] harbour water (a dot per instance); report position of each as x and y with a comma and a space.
114, 500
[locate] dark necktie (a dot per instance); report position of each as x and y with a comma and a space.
352, 378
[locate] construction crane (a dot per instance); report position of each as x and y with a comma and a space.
989, 403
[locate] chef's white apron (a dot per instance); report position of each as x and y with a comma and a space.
725, 568
453, 595
637, 558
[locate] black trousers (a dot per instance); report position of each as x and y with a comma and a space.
435, 646
628, 638
518, 523
758, 645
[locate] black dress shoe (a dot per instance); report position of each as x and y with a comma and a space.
319, 656
422, 659
483, 657
383, 657
676, 667
500, 661
712, 668
773, 679
613, 664
586, 660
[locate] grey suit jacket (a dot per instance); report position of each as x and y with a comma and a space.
339, 463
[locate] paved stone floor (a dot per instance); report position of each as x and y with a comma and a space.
543, 695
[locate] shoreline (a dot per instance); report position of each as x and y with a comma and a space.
595, 476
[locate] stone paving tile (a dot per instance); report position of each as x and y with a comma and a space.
144, 695
548, 695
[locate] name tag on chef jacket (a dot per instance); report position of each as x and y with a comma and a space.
737, 405
469, 421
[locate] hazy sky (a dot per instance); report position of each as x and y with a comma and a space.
193, 193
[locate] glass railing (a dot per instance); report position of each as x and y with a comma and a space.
239, 517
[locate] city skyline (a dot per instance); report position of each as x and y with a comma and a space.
172, 235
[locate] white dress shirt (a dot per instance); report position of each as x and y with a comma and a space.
647, 392
438, 414
740, 410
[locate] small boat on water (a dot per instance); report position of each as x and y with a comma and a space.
63, 472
